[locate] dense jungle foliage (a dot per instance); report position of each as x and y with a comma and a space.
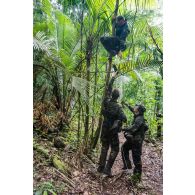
71, 67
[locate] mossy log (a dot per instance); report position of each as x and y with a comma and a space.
60, 167
41, 150
57, 163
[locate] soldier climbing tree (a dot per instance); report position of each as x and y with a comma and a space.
72, 70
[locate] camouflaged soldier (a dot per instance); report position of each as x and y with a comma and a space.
113, 118
116, 44
134, 139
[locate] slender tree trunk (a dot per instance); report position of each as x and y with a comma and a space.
64, 94
88, 64
94, 99
157, 108
95, 88
80, 68
64, 81
98, 131
56, 90
161, 70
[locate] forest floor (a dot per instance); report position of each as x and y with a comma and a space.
85, 180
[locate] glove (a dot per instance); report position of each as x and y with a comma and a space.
128, 136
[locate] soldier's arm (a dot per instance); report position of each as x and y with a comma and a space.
130, 108
137, 124
122, 116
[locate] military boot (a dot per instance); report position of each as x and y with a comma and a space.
129, 166
100, 169
107, 171
102, 160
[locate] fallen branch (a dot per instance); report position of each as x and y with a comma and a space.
89, 161
66, 179
120, 175
57, 163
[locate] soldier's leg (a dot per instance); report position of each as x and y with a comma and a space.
111, 44
136, 153
114, 149
122, 45
103, 155
125, 154
113, 154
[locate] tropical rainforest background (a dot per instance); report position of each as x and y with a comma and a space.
71, 71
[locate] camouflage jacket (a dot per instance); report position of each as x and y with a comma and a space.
137, 129
112, 109
122, 31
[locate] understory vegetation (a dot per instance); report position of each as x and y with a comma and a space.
71, 71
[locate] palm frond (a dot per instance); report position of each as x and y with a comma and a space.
42, 43
142, 4
82, 86
47, 7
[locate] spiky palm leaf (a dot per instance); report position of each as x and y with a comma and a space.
141, 4
84, 87
42, 43
140, 52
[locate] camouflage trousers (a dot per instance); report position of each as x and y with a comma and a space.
135, 145
113, 44
109, 140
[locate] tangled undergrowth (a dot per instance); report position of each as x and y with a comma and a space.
47, 118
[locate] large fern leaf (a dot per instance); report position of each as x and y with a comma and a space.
42, 43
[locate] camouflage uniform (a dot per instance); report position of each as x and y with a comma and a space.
122, 33
135, 136
109, 137
117, 43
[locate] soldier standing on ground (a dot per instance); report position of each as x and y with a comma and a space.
134, 139
113, 118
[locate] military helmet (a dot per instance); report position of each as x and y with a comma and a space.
141, 108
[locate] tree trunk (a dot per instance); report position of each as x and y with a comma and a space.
94, 98
88, 64
56, 90
98, 131
157, 113
95, 88
80, 68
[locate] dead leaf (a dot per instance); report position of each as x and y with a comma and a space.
86, 193
76, 173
